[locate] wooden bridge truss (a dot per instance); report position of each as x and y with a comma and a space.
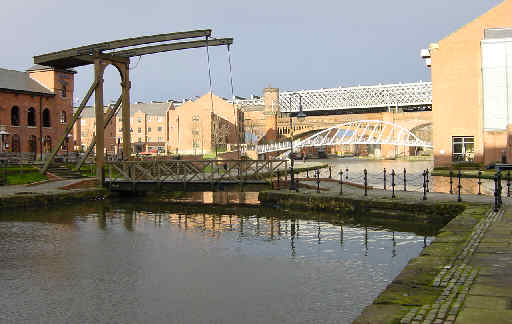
105, 54
200, 171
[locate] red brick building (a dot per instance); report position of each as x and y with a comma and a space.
35, 107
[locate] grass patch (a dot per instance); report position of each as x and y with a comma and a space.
486, 174
25, 178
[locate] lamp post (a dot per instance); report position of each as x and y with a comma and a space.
299, 115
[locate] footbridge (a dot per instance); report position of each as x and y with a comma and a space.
355, 132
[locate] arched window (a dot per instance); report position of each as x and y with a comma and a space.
31, 117
15, 116
64, 91
15, 145
62, 117
32, 144
46, 118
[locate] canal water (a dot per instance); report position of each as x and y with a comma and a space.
137, 262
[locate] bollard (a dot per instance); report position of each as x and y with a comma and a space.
297, 184
459, 186
479, 181
365, 182
496, 203
385, 179
424, 185
428, 181
346, 176
330, 174
341, 183
451, 182
508, 183
405, 180
307, 173
393, 183
317, 181
278, 180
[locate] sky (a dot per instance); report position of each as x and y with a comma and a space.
290, 45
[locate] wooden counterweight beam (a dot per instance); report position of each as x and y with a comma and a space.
55, 59
173, 47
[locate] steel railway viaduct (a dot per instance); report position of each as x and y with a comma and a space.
388, 120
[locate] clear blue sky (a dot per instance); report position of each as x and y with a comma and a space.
286, 44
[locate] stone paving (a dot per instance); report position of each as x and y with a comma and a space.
43, 188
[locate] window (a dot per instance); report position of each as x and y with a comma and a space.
62, 117
463, 148
139, 130
121, 129
63, 91
140, 139
82, 122
131, 130
159, 138
46, 118
149, 118
31, 117
139, 120
159, 128
15, 116
149, 129
47, 144
195, 118
149, 139
159, 118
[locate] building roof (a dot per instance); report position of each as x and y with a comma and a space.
39, 67
21, 82
150, 108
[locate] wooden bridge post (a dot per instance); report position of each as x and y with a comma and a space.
99, 68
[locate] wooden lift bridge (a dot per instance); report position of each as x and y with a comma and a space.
104, 54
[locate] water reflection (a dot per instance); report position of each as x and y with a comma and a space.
131, 263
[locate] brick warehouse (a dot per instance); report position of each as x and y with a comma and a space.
34, 108
188, 127
471, 70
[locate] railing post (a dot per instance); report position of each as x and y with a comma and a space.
479, 181
346, 176
496, 202
500, 189
317, 181
459, 186
405, 180
341, 183
365, 182
385, 179
424, 185
307, 173
393, 183
451, 182
428, 181
330, 174
508, 183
